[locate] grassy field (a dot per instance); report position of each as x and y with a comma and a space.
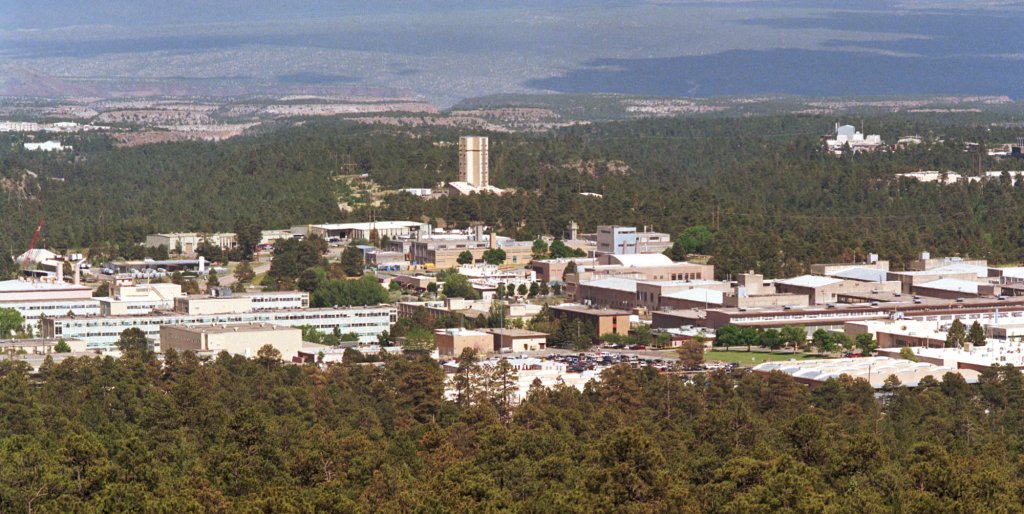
746, 358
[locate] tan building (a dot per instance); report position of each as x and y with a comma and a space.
899, 333
552, 270
452, 341
822, 290
474, 168
239, 339
926, 262
133, 298
602, 321
517, 340
189, 241
910, 280
212, 304
444, 253
15, 347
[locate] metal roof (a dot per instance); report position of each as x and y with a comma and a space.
862, 274
698, 294
642, 259
813, 281
952, 284
618, 284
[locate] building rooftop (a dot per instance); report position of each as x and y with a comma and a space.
812, 281
995, 351
955, 285
618, 284
699, 294
584, 309
873, 369
13, 286
379, 225
862, 274
958, 268
642, 259
514, 332
460, 332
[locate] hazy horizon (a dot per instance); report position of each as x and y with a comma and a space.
447, 51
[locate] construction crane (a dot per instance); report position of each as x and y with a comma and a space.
32, 245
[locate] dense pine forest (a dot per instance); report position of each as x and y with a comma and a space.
774, 201
236, 435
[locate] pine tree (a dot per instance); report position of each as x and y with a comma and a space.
957, 334
976, 335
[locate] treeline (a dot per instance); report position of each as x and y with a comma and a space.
771, 199
237, 435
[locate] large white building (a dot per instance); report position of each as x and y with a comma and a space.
857, 141
35, 299
102, 332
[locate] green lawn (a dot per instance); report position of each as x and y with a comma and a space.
746, 358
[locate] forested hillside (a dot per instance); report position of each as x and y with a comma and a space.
237, 435
774, 201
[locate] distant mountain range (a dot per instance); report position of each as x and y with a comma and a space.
445, 52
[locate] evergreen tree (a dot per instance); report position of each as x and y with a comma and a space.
352, 261
976, 335
244, 273
465, 257
957, 334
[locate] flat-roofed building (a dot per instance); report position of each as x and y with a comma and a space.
365, 230
452, 341
13, 347
139, 298
953, 288
821, 290
102, 332
514, 340
188, 242
837, 268
602, 321
926, 262
553, 270
236, 338
910, 279
874, 370
38, 299
899, 333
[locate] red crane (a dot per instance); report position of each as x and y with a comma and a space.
32, 245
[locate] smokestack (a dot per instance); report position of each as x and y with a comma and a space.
202, 264
60, 271
78, 273
494, 240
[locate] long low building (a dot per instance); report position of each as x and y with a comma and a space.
366, 231
38, 299
244, 339
874, 370
102, 332
833, 316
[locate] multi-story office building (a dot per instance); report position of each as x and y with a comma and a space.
613, 239
37, 299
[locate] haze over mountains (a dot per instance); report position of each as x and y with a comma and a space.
448, 51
